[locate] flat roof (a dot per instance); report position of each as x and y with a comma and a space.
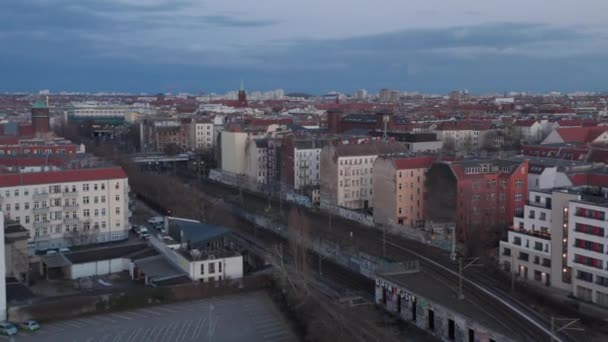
105, 252
157, 267
423, 284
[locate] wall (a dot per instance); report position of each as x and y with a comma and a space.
233, 151
79, 305
96, 268
384, 191
232, 268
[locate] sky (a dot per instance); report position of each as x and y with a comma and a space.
313, 46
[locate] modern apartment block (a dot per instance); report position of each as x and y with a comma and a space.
398, 183
588, 246
535, 248
69, 206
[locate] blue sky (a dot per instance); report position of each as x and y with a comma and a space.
314, 46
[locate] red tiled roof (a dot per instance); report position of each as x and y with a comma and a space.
414, 163
580, 134
64, 176
524, 123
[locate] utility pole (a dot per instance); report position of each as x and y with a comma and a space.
462, 268
567, 326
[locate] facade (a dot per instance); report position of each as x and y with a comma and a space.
347, 173
307, 163
480, 195
41, 120
233, 151
462, 135
527, 130
15, 247
98, 113
398, 184
68, 207
201, 135
535, 248
587, 227
256, 160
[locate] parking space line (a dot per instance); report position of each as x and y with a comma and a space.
150, 332
185, 330
198, 328
151, 312
133, 334
119, 336
121, 316
167, 331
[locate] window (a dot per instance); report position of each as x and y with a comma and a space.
36, 205
16, 192
603, 281
26, 205
118, 197
212, 267
103, 224
103, 212
538, 246
117, 210
532, 214
85, 187
590, 246
219, 267
589, 229
8, 207
16, 206
26, 192
95, 199
103, 199
96, 212
590, 213
86, 213
587, 261
584, 276
85, 200
543, 216
202, 268
117, 186
518, 197
523, 256
506, 252
27, 219
517, 240
95, 187
103, 186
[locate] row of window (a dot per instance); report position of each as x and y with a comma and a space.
590, 213
589, 229
589, 245
357, 161
211, 267
55, 189
356, 172
56, 202
588, 261
73, 228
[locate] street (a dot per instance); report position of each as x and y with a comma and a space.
245, 317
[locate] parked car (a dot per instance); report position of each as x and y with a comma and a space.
7, 328
64, 250
155, 220
143, 232
51, 252
30, 325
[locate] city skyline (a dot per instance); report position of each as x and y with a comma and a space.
194, 46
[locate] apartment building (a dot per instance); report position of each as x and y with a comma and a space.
307, 163
462, 135
68, 207
535, 248
201, 135
478, 195
527, 130
588, 244
347, 173
398, 185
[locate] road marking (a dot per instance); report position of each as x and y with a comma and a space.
166, 330
151, 312
184, 330
151, 332
119, 336
121, 316
198, 328
133, 334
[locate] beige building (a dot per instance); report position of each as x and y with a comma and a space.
201, 135
347, 173
398, 185
233, 151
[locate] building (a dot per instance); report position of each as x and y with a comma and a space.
233, 145
41, 119
587, 227
307, 163
256, 160
2, 273
462, 135
414, 142
66, 207
398, 185
102, 114
347, 177
480, 195
578, 135
201, 135
200, 251
15, 248
530, 131
534, 248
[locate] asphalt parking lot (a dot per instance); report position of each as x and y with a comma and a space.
244, 317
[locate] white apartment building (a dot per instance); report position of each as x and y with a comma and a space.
256, 160
461, 135
588, 247
201, 135
528, 130
347, 173
68, 207
307, 163
535, 248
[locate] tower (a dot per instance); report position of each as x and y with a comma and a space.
40, 117
242, 95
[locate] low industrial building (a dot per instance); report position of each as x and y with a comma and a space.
417, 297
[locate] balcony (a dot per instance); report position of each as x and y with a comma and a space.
71, 194
70, 207
540, 235
71, 220
539, 205
40, 196
42, 210
38, 225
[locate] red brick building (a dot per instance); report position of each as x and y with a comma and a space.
480, 196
